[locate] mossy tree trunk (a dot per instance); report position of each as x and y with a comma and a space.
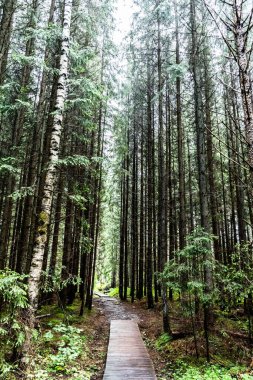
51, 172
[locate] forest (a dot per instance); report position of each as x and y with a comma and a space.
126, 188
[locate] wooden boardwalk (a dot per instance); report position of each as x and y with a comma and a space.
127, 356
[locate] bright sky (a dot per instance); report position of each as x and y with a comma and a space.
123, 19
123, 15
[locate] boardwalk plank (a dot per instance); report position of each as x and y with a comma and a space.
127, 356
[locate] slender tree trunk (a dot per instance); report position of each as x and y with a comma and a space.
134, 223
122, 232
29, 204
162, 188
150, 194
202, 165
9, 7
126, 276
241, 39
210, 157
181, 170
142, 220
44, 215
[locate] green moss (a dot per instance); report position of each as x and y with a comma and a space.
44, 217
114, 292
43, 222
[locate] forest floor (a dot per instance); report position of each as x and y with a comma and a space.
172, 358
175, 359
109, 308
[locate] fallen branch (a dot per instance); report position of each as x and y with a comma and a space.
43, 316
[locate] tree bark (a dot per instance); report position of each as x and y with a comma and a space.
241, 41
9, 7
45, 211
149, 193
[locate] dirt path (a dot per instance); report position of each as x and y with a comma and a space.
112, 308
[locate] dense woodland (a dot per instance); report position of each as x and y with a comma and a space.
125, 165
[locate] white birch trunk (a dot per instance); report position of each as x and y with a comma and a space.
44, 215
245, 80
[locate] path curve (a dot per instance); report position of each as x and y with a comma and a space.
114, 308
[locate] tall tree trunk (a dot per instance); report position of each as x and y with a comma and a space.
134, 220
150, 193
210, 156
141, 219
241, 41
180, 143
30, 201
44, 214
122, 232
202, 164
126, 275
162, 187
9, 7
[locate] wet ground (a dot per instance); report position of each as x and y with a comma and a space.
113, 308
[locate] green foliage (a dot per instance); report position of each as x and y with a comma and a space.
14, 298
13, 290
78, 200
208, 372
114, 292
73, 161
177, 70
68, 348
185, 272
8, 166
22, 193
162, 341
54, 283
60, 348
236, 278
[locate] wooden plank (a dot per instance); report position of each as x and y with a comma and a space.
127, 356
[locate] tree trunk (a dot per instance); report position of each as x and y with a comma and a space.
44, 214
241, 39
150, 195
9, 7
202, 163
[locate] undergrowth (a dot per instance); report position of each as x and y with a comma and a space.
209, 372
60, 350
62, 347
13, 298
